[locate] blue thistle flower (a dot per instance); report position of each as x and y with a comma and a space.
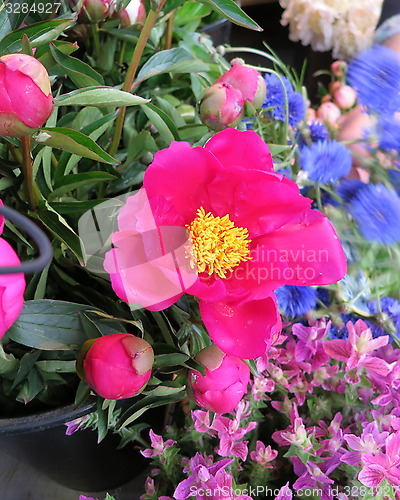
394, 176
389, 306
275, 98
375, 74
389, 133
317, 132
376, 210
295, 301
325, 161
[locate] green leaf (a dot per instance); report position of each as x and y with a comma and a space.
163, 123
230, 10
45, 56
38, 34
8, 363
60, 229
190, 11
54, 366
176, 60
74, 181
11, 16
80, 73
52, 325
74, 207
100, 97
74, 142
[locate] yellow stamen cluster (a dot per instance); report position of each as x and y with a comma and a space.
218, 245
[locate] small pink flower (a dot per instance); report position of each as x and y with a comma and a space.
26, 101
116, 366
338, 68
285, 493
263, 454
158, 445
224, 383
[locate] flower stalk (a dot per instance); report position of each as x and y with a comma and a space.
131, 73
28, 172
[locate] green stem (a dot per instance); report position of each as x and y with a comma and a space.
96, 38
27, 171
131, 73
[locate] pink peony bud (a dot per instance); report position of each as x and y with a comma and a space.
345, 97
133, 13
91, 11
338, 68
225, 381
12, 286
221, 106
329, 113
333, 86
25, 95
248, 80
116, 366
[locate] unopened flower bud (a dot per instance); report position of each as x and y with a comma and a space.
221, 106
249, 81
91, 11
345, 97
333, 86
133, 13
224, 383
25, 95
116, 366
338, 68
329, 113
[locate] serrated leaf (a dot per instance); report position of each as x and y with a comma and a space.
38, 34
230, 10
176, 60
80, 73
74, 142
100, 97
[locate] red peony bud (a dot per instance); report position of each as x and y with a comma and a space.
116, 366
249, 81
133, 13
221, 106
25, 95
225, 381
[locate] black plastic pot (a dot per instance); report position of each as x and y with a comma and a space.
219, 31
77, 461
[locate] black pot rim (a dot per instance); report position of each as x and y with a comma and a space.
46, 419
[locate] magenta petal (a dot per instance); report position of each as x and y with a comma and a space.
181, 175
245, 330
338, 349
241, 148
311, 248
12, 288
372, 476
1, 219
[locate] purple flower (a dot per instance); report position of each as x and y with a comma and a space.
263, 454
158, 446
76, 425
285, 493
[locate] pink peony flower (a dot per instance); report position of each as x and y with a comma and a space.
12, 286
25, 95
225, 381
221, 106
116, 366
248, 81
250, 232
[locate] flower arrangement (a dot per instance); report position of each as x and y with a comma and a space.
343, 26
220, 249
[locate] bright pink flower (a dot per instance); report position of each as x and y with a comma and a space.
225, 381
248, 80
285, 493
117, 366
25, 95
383, 466
356, 350
229, 435
265, 235
12, 286
221, 106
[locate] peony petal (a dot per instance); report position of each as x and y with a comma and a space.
241, 148
12, 288
181, 175
1, 219
311, 247
245, 330
263, 205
